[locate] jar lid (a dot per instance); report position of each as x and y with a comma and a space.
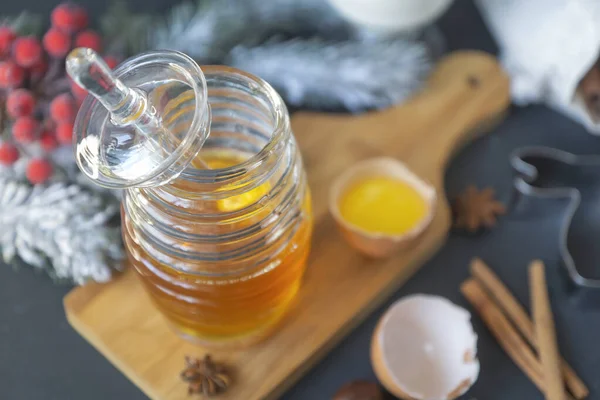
144, 123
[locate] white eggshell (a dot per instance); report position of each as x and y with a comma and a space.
428, 347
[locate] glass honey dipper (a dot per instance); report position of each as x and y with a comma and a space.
143, 124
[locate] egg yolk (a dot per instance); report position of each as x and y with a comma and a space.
383, 205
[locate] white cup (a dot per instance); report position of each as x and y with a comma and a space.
389, 17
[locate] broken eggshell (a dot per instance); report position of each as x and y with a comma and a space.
424, 348
379, 245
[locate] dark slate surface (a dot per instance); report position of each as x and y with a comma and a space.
41, 357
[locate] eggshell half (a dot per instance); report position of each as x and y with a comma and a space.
424, 348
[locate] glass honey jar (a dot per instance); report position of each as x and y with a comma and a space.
216, 212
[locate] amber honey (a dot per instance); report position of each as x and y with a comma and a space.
225, 301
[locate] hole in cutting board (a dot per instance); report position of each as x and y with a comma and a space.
473, 81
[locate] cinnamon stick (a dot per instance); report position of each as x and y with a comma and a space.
505, 333
545, 332
515, 312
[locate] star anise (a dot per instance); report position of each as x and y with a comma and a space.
205, 376
474, 209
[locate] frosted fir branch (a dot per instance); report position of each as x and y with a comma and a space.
208, 29
327, 73
60, 226
352, 75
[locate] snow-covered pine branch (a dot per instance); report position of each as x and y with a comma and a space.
355, 75
60, 226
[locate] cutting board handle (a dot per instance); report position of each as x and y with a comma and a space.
475, 88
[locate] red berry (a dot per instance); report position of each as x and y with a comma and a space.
57, 43
11, 75
48, 141
89, 39
69, 17
62, 108
8, 154
38, 170
24, 129
7, 37
64, 132
20, 103
27, 51
79, 92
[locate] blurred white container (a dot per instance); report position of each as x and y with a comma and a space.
547, 46
389, 17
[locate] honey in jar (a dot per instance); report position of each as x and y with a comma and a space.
216, 211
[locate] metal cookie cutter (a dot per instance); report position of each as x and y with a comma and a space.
555, 174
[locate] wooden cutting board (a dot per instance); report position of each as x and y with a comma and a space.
340, 288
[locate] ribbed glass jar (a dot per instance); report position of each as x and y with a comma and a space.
222, 250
